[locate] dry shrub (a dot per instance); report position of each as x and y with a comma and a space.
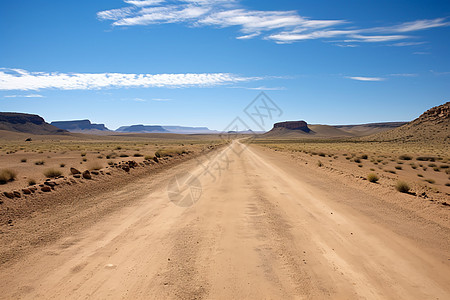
372, 177
95, 165
52, 173
7, 175
402, 187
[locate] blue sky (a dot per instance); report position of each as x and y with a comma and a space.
200, 63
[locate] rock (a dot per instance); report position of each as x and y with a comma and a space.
125, 168
94, 172
293, 125
26, 191
87, 175
155, 159
77, 175
17, 194
8, 195
28, 140
74, 171
46, 189
108, 173
50, 183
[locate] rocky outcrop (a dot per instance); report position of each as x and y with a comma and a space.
433, 126
438, 114
293, 125
79, 125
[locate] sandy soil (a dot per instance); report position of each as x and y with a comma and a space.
265, 227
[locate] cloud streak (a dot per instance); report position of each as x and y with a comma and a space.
282, 27
24, 96
17, 79
361, 78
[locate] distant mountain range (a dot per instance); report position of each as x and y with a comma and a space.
79, 125
433, 125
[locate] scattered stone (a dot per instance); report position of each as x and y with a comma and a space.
74, 171
94, 172
26, 191
126, 168
17, 194
50, 183
77, 175
87, 175
46, 189
8, 195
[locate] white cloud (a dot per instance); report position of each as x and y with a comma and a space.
404, 44
282, 27
413, 26
24, 96
361, 78
161, 99
17, 79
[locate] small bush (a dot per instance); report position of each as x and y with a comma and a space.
39, 163
420, 175
364, 156
62, 165
7, 175
398, 167
52, 173
110, 163
95, 165
432, 165
148, 157
360, 165
84, 159
405, 157
319, 163
24, 160
447, 184
83, 154
436, 169
322, 154
402, 187
137, 155
430, 181
31, 182
357, 160
372, 177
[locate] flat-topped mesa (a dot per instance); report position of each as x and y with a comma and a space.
293, 125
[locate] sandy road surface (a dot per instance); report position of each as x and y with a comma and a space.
263, 228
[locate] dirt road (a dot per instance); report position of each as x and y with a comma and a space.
263, 228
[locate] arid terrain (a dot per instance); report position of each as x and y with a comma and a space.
291, 214
266, 226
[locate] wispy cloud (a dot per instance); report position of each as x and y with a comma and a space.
24, 96
405, 44
404, 75
17, 79
161, 99
439, 73
361, 78
286, 26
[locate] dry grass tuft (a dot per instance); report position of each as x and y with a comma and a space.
52, 173
7, 175
372, 177
402, 187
